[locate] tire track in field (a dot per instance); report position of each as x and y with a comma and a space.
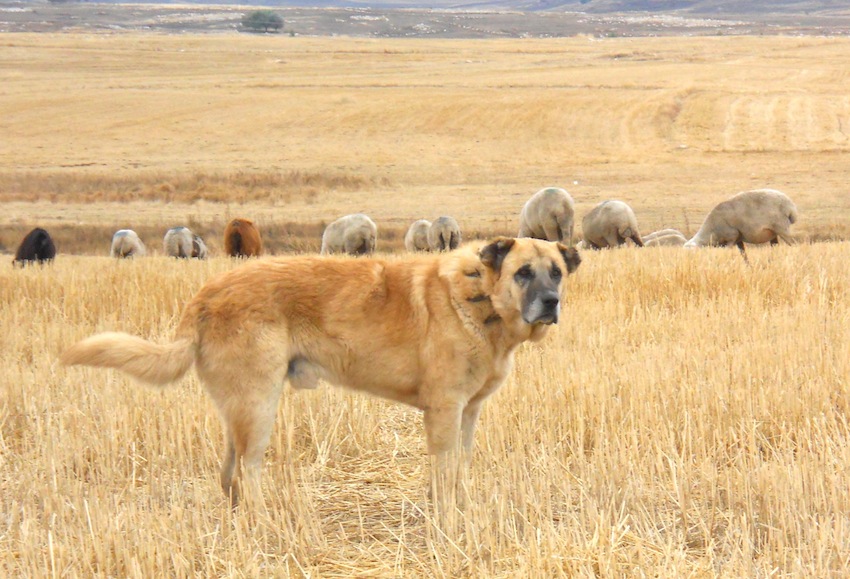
787, 122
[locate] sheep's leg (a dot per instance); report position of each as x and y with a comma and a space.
740, 245
552, 230
786, 238
614, 240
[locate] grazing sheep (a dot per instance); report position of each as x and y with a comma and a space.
199, 248
666, 240
759, 216
178, 242
242, 239
125, 243
36, 247
444, 234
610, 224
353, 234
660, 233
549, 214
416, 238
664, 237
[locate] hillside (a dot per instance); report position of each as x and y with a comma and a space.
701, 7
442, 18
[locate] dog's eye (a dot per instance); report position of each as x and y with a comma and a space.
556, 272
524, 274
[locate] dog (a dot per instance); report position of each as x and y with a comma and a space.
436, 331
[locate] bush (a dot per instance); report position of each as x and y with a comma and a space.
262, 21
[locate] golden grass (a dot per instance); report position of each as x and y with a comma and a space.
303, 130
687, 418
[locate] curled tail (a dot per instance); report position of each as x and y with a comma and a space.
158, 364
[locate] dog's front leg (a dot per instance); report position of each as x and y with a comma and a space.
468, 423
442, 430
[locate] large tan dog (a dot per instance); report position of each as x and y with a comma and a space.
437, 332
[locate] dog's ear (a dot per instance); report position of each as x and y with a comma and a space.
493, 254
571, 257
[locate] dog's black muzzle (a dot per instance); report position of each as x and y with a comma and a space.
543, 308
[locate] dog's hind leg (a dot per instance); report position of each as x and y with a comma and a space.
248, 414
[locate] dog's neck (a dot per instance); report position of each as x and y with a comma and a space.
476, 308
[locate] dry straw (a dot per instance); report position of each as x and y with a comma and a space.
688, 417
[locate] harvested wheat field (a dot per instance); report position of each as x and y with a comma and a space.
688, 417
299, 131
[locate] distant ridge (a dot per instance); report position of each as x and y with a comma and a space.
695, 7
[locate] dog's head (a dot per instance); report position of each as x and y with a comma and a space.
528, 278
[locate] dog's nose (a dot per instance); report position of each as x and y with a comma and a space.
550, 301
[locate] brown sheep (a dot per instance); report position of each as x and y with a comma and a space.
242, 239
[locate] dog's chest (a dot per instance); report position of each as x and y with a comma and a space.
489, 377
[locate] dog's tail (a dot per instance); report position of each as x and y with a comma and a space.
158, 364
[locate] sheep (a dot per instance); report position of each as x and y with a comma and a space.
660, 233
178, 242
757, 216
610, 224
416, 238
669, 240
126, 243
242, 239
354, 234
199, 248
36, 247
444, 234
664, 237
549, 214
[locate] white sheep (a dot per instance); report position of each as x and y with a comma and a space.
354, 234
416, 238
126, 243
444, 234
549, 214
664, 237
199, 248
668, 240
758, 216
178, 242
610, 224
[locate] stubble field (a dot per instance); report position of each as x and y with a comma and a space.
687, 418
